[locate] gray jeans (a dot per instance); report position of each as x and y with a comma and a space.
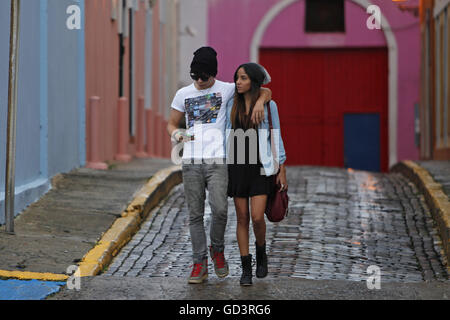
196, 179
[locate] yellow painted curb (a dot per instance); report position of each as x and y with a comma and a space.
25, 275
435, 196
128, 224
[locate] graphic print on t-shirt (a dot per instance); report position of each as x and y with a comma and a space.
204, 109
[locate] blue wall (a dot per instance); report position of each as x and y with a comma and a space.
28, 125
50, 118
63, 90
4, 32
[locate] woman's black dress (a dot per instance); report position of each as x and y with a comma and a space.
247, 180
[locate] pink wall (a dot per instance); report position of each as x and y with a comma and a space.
102, 80
232, 24
281, 32
407, 32
102, 71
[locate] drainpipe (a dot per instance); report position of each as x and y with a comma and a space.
12, 115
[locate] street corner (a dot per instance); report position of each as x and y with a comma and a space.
14, 289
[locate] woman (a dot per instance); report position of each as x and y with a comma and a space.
250, 181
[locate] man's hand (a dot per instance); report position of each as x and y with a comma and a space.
181, 135
172, 125
258, 110
177, 135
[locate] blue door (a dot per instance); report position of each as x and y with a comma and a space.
362, 141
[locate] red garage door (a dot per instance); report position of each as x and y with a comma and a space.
315, 88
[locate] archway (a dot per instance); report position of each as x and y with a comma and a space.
392, 61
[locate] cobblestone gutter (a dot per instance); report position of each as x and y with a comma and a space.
126, 226
436, 198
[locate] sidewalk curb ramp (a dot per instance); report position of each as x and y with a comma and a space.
435, 197
124, 228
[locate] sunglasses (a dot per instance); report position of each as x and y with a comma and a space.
202, 76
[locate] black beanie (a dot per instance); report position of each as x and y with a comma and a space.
205, 60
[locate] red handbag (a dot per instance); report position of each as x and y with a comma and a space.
277, 207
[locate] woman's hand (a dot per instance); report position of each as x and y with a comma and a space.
281, 178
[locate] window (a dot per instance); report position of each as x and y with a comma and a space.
325, 16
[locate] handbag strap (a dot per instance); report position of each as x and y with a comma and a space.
270, 117
272, 142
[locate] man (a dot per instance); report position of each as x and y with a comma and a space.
203, 103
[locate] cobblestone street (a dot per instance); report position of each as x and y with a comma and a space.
340, 223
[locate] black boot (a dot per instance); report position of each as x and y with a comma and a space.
246, 278
261, 261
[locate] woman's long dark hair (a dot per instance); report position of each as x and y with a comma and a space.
256, 75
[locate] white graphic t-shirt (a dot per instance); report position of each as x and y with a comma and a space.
205, 112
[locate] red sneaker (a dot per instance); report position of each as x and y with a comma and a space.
199, 272
220, 264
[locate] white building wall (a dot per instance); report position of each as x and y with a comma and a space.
193, 28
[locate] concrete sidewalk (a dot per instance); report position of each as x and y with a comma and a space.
69, 221
125, 288
432, 178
